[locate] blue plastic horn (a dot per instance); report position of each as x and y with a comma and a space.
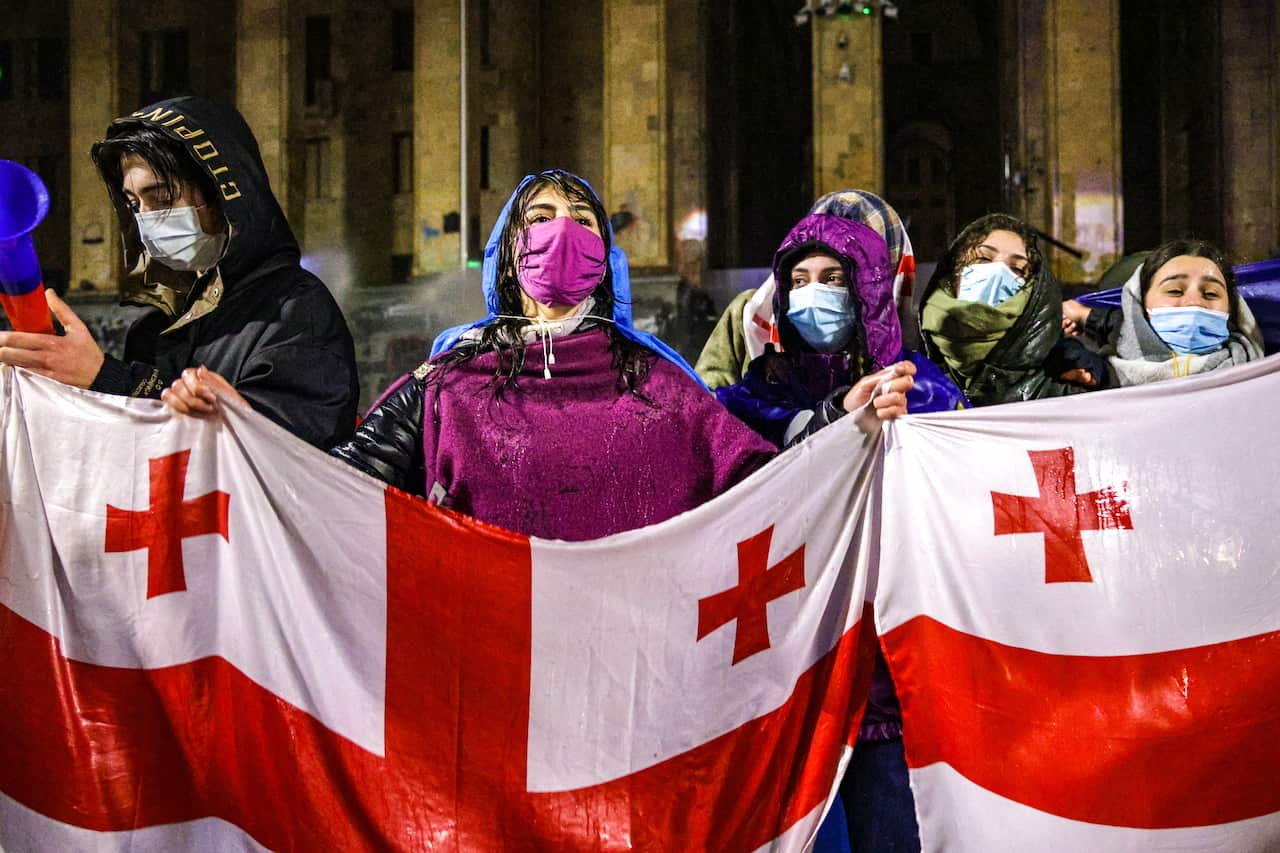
24, 202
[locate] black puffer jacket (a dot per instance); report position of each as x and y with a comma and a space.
388, 444
259, 319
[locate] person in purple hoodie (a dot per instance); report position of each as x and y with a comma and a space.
837, 324
553, 416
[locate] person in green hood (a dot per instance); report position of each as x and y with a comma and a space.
991, 315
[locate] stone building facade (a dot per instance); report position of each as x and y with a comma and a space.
394, 130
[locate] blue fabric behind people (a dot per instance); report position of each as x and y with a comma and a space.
621, 296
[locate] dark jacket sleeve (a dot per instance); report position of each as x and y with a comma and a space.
1104, 323
825, 414
1069, 354
303, 374
308, 390
388, 445
130, 379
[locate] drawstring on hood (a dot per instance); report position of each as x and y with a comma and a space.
546, 331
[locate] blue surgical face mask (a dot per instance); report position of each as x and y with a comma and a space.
1190, 330
822, 315
991, 283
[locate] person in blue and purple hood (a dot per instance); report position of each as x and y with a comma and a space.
837, 324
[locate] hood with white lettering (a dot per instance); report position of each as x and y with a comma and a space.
218, 140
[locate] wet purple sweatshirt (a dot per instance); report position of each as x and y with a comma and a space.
572, 457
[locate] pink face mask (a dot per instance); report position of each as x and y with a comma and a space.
559, 262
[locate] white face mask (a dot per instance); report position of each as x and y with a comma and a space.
174, 238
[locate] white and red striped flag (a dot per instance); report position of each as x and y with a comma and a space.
1079, 600
212, 636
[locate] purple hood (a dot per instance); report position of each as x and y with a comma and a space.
865, 257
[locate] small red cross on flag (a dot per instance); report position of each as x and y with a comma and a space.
1061, 514
758, 584
166, 522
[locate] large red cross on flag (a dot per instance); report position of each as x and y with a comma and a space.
1138, 711
335, 665
747, 603
1060, 515
166, 522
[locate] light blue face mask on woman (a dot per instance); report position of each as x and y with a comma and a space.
822, 315
990, 283
1190, 330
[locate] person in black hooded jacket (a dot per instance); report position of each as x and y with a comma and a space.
215, 261
991, 317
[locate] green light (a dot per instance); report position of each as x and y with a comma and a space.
866, 10
473, 265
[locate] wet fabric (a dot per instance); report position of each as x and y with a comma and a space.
1095, 591
570, 457
259, 319
352, 668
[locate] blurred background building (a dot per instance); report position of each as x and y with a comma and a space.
394, 130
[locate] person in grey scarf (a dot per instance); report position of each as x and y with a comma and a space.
1180, 315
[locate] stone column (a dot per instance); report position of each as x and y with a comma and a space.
366, 130
635, 127
1250, 129
686, 59
848, 103
263, 62
1023, 113
508, 110
94, 101
437, 136
1083, 154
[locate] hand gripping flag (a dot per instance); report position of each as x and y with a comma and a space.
213, 636
1080, 606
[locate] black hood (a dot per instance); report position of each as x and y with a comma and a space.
1028, 342
219, 141
1013, 370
